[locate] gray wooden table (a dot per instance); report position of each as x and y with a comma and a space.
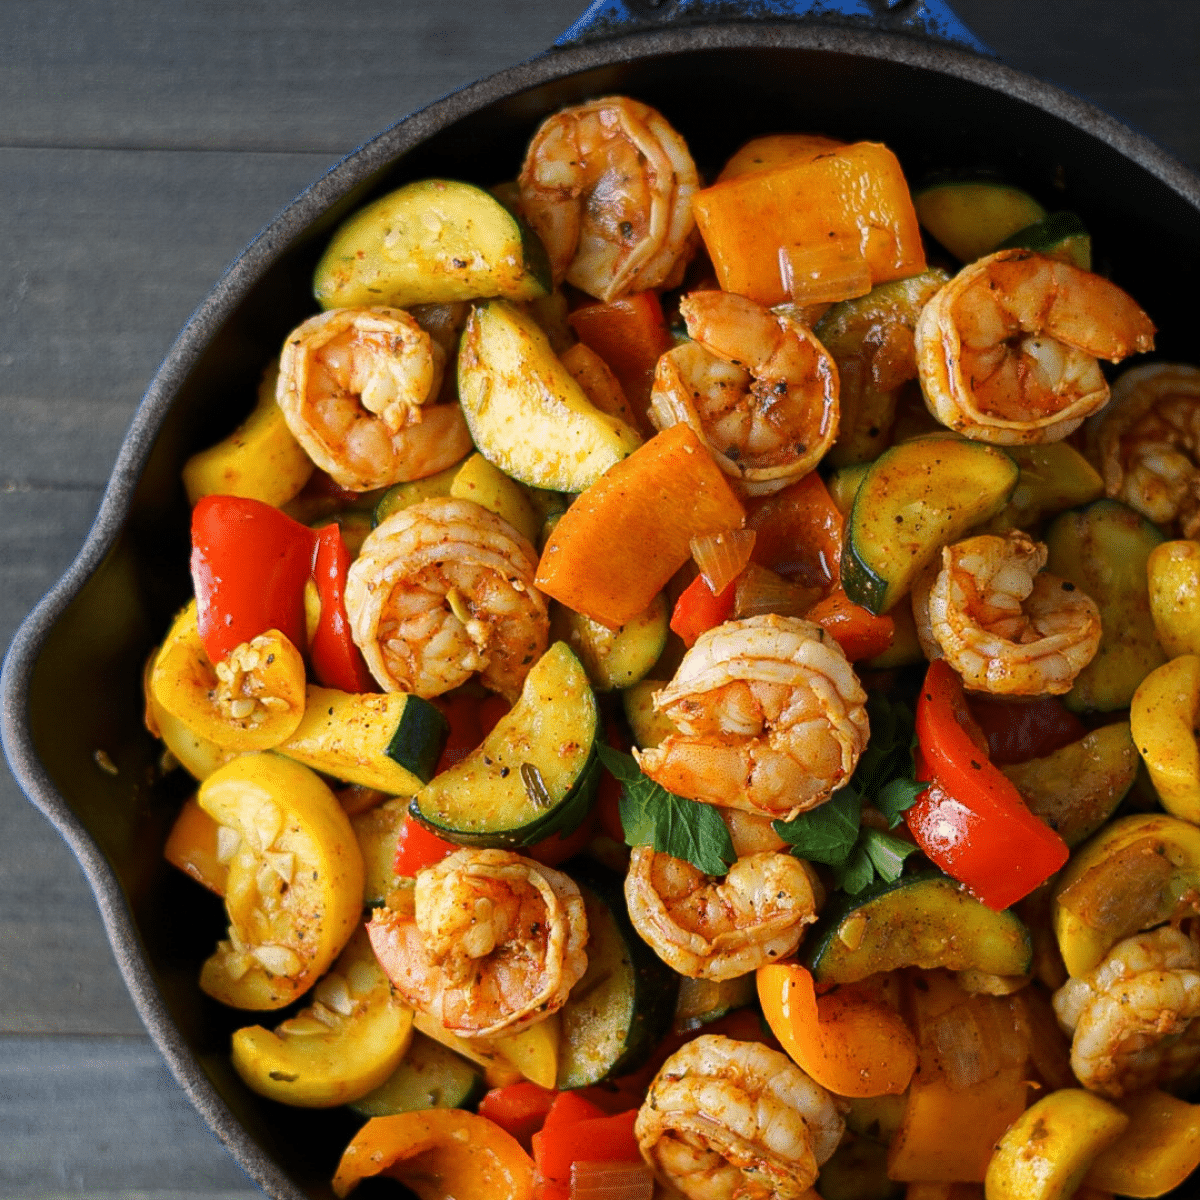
142, 144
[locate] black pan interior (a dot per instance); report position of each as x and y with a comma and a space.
1145, 235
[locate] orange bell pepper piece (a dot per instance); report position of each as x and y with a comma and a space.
798, 533
631, 335
615, 548
439, 1153
849, 1042
854, 195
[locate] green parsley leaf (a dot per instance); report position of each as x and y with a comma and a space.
887, 853
896, 797
833, 833
826, 834
857, 873
652, 816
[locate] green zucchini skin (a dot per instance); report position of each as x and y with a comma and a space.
1103, 550
1061, 235
431, 1076
417, 743
536, 773
624, 1005
922, 920
914, 499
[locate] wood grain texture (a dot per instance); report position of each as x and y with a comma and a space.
142, 144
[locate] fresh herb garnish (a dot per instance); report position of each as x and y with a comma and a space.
833, 833
652, 816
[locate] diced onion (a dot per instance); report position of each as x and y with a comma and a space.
611, 1181
974, 1040
824, 274
722, 557
761, 591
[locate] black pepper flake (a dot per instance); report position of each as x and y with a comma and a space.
1068, 586
976, 766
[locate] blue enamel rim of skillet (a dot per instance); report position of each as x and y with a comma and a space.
250, 266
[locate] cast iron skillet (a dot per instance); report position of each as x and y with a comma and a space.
903, 72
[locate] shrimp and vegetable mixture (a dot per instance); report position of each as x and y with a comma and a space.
664, 683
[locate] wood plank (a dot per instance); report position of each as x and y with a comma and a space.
102, 1119
294, 75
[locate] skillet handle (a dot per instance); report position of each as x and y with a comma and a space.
932, 19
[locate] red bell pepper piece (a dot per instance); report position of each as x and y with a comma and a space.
860, 633
971, 819
250, 563
337, 662
1019, 731
698, 609
575, 1130
417, 848
518, 1109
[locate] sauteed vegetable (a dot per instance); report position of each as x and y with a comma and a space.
668, 680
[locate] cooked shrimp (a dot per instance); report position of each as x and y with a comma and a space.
1004, 625
711, 929
1147, 444
608, 187
758, 389
1007, 350
771, 718
492, 944
358, 389
1133, 1018
728, 1120
444, 589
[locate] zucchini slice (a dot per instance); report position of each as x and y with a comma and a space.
914, 499
702, 1001
1061, 235
525, 411
624, 1004
1077, 788
1104, 550
377, 831
923, 920
431, 242
390, 741
1054, 476
614, 658
535, 774
971, 217
343, 1050
431, 1076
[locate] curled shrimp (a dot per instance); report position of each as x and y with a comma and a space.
756, 387
728, 1120
487, 942
1133, 1017
1007, 350
444, 589
719, 929
608, 188
358, 389
1147, 443
1004, 625
771, 718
